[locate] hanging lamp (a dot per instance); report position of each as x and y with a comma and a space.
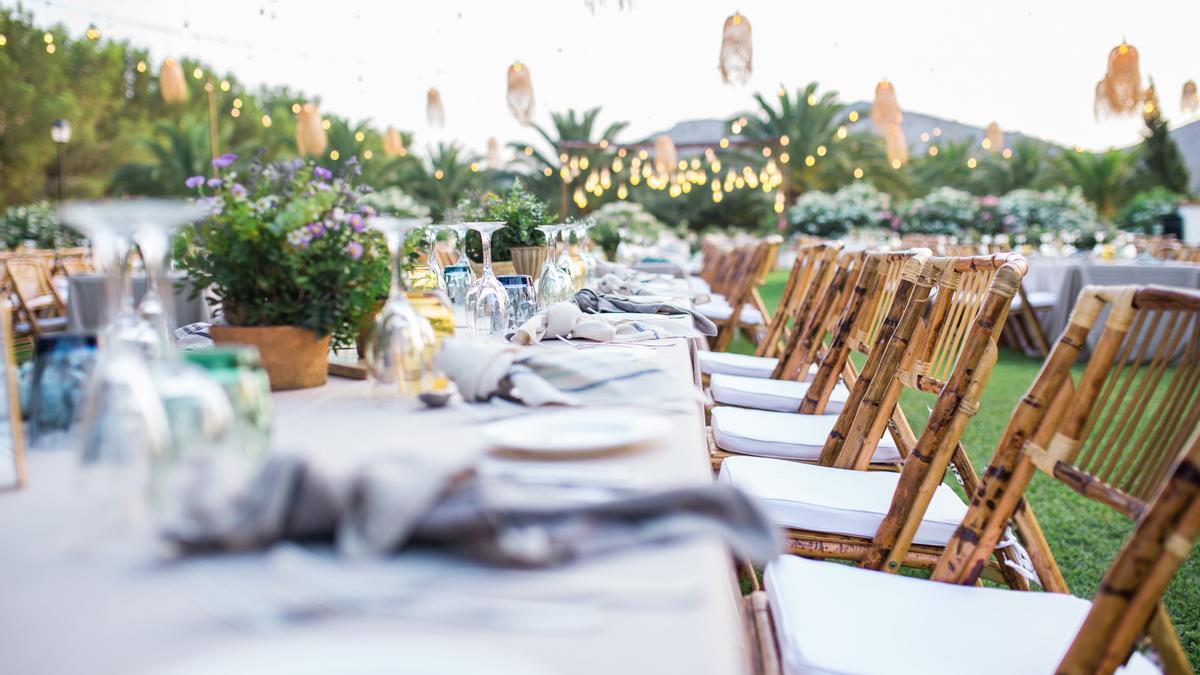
434, 112
171, 82
1189, 102
493, 153
664, 155
310, 132
737, 50
994, 138
885, 109
393, 143
1119, 94
520, 93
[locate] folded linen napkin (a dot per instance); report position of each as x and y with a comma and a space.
563, 319
193, 336
390, 503
611, 283
592, 302
482, 370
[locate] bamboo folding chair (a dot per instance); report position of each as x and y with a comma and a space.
945, 346
1112, 435
793, 626
736, 281
40, 309
808, 279
751, 330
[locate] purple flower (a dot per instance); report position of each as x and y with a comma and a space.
355, 250
356, 222
986, 215
215, 182
224, 160
299, 238
194, 182
368, 210
1009, 220
322, 173
237, 190
315, 230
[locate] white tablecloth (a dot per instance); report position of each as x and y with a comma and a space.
86, 297
671, 609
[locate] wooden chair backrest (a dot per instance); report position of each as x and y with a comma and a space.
873, 293
832, 288
28, 277
738, 279
810, 275
774, 244
1109, 436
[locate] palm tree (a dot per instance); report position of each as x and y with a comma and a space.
807, 126
176, 153
452, 173
1027, 168
1103, 177
950, 166
569, 127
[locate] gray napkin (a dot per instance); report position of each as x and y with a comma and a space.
592, 302
392, 503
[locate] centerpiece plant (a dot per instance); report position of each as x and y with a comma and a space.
519, 240
289, 261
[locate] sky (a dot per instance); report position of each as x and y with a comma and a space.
1029, 65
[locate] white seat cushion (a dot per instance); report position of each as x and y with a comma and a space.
837, 501
922, 626
763, 433
736, 364
698, 284
721, 312
768, 394
1037, 299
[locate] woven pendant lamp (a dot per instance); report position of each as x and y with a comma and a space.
1150, 101
994, 140
1120, 92
393, 143
885, 110
493, 153
664, 155
434, 112
1189, 102
310, 133
737, 50
520, 93
896, 146
171, 82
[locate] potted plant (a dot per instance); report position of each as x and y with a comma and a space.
289, 260
519, 241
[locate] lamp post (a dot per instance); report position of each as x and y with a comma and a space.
60, 133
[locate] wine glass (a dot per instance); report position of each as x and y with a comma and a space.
400, 348
584, 245
460, 232
553, 284
487, 301
427, 276
521, 302
565, 261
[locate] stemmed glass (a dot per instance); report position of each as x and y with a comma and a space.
401, 343
565, 261
586, 259
553, 284
460, 232
487, 301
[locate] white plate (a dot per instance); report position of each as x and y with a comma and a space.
575, 433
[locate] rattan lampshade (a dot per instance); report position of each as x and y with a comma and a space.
393, 143
1189, 102
493, 153
664, 154
310, 133
737, 50
520, 92
885, 110
896, 145
1120, 92
172, 83
434, 112
994, 138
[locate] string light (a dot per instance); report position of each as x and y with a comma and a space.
197, 73
622, 191
360, 136
933, 151
367, 154
724, 143
439, 174
821, 150
642, 155
266, 120
237, 103
621, 152
50, 48
986, 143
853, 116
937, 131
93, 33
296, 108
529, 151
4, 41
896, 163
474, 167
858, 172
583, 163
603, 143
48, 37
812, 99
325, 124
1007, 154
810, 160
224, 85
784, 140
784, 157
235, 113
766, 152
334, 155
971, 163
547, 172
841, 133
925, 137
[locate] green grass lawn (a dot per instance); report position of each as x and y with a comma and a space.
1084, 535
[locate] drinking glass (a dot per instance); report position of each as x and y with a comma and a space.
427, 275
487, 301
565, 261
553, 284
457, 280
587, 261
399, 349
521, 301
61, 364
460, 232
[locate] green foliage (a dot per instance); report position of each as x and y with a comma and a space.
521, 213
615, 218
287, 247
36, 225
1161, 164
1146, 211
857, 205
945, 210
1032, 213
1028, 168
1104, 177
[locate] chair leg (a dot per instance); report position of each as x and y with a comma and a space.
1166, 642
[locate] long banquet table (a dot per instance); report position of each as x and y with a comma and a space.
668, 609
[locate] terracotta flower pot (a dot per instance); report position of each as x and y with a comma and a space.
498, 268
528, 259
295, 358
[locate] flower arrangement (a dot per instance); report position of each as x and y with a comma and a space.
286, 245
35, 225
621, 216
857, 205
1059, 210
521, 213
945, 210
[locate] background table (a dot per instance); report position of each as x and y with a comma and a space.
86, 298
62, 612
1066, 277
